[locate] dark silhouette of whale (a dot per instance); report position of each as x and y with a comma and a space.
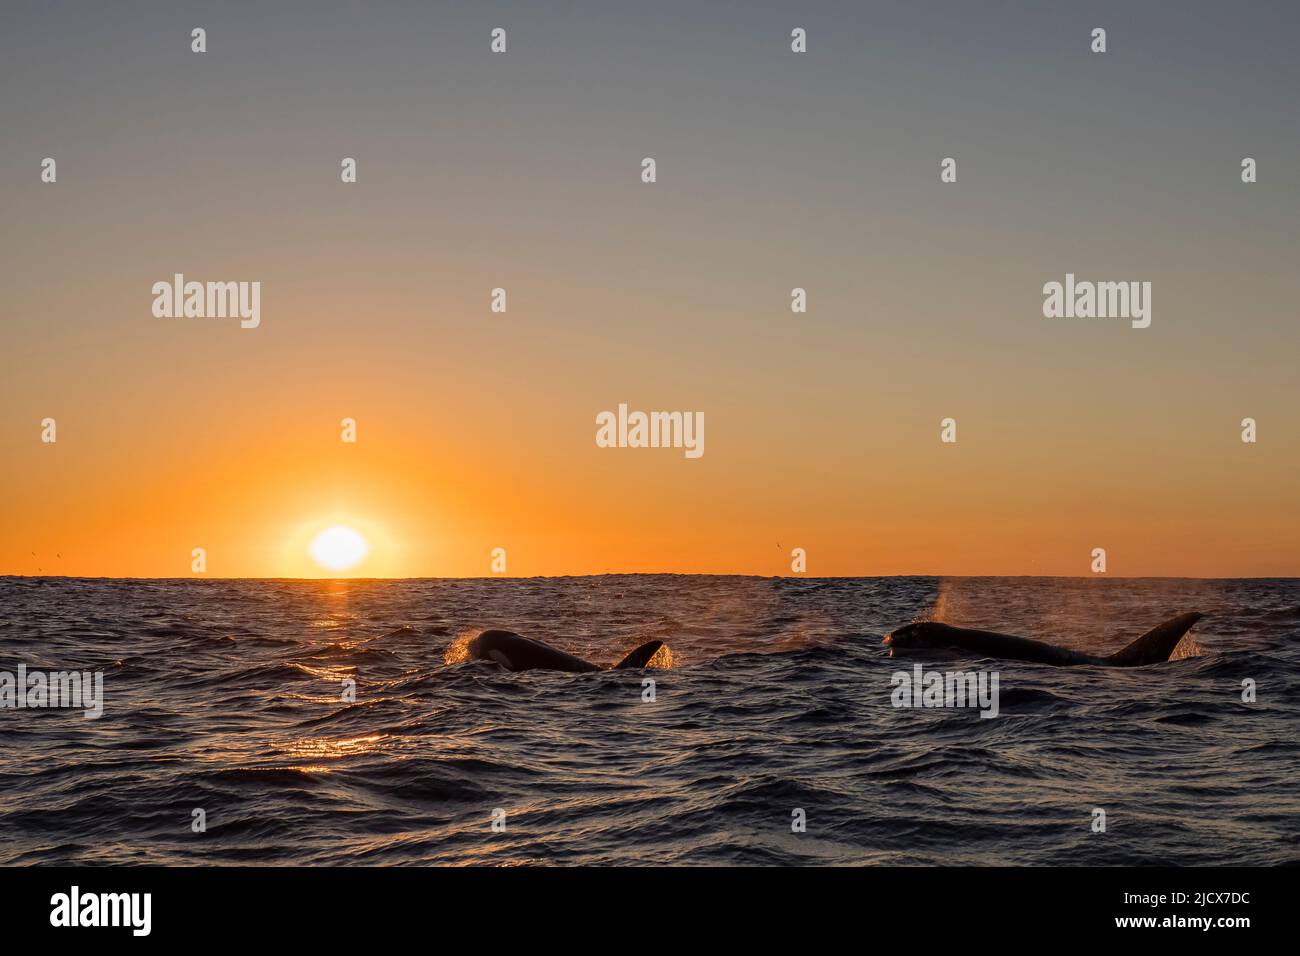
1151, 648
517, 653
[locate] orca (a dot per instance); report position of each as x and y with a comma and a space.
1151, 648
517, 653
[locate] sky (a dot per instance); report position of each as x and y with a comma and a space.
775, 170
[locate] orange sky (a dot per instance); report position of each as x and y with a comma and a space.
132, 493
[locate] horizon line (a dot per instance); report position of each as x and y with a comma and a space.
683, 574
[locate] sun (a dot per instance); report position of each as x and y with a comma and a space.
338, 548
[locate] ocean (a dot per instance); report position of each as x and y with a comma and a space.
226, 736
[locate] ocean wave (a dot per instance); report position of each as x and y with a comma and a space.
229, 696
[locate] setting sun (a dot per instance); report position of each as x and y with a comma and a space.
338, 548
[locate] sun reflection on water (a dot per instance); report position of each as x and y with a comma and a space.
335, 749
663, 659
458, 650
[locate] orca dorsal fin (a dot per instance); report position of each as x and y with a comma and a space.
1156, 644
641, 656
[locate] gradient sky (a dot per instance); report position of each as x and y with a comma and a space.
776, 170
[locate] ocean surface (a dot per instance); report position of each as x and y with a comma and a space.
227, 697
